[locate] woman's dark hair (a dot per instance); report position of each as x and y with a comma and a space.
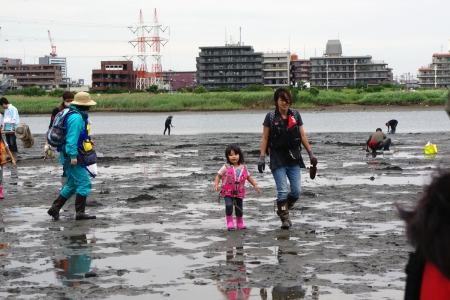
428, 224
282, 93
236, 150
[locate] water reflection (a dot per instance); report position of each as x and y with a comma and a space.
235, 288
74, 268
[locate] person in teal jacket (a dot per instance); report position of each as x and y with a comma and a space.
78, 181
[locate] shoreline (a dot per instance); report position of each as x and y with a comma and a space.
327, 109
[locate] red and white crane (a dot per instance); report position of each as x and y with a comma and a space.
53, 46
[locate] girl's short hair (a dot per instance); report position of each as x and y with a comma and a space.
428, 224
236, 150
284, 94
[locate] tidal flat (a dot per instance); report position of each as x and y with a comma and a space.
160, 232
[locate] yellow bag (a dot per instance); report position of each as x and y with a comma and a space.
430, 148
87, 146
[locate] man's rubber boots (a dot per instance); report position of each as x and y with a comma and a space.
57, 204
283, 213
80, 204
291, 201
230, 224
240, 223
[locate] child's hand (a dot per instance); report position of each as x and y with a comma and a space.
257, 189
216, 188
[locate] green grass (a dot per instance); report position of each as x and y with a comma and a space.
145, 102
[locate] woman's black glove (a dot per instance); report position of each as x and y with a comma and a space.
261, 163
312, 158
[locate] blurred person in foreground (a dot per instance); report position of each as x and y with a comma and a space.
428, 230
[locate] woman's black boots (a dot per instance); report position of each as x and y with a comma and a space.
283, 213
80, 204
57, 205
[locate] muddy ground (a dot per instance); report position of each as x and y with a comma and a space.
161, 232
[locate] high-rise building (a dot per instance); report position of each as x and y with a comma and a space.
437, 74
232, 66
335, 70
276, 67
300, 69
50, 60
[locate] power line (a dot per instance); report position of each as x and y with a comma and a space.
6, 19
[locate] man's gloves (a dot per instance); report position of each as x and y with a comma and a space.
312, 158
261, 163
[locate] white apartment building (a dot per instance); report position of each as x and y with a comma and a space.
276, 67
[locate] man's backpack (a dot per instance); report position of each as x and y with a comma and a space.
56, 135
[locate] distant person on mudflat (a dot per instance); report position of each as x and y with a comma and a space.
10, 121
282, 138
428, 230
392, 126
377, 141
168, 124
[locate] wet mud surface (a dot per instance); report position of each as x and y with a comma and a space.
161, 232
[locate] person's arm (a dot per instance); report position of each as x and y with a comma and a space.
75, 125
367, 142
305, 141
11, 156
252, 182
216, 183
264, 140
14, 118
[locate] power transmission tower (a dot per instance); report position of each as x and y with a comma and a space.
144, 79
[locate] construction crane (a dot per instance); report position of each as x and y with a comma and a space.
53, 46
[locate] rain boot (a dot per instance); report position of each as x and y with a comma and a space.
80, 204
240, 223
291, 201
57, 204
1, 192
283, 213
230, 224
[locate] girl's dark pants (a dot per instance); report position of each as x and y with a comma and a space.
237, 202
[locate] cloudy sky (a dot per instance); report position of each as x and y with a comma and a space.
404, 34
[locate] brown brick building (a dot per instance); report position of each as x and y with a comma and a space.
46, 77
114, 74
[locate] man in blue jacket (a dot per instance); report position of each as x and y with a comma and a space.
78, 181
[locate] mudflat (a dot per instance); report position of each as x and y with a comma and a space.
160, 232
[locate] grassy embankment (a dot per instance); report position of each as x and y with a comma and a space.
144, 102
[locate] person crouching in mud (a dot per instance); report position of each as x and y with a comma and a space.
234, 174
78, 181
282, 138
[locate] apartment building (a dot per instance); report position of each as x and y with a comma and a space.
8, 61
50, 60
179, 79
233, 66
335, 70
437, 74
276, 67
300, 70
114, 74
46, 77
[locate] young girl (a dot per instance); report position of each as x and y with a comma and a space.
3, 150
234, 174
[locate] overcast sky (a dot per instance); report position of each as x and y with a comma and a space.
404, 34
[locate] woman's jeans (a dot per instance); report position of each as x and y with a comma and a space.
281, 175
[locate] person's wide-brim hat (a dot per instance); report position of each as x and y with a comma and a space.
84, 99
